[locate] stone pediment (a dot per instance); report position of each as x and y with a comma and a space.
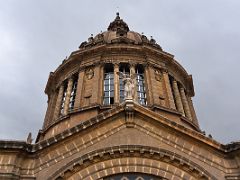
136, 116
128, 116
141, 135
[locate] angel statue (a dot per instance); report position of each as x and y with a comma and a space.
129, 85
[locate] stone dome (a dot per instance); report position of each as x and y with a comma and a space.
131, 36
118, 32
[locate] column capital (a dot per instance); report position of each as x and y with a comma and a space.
165, 71
174, 81
146, 65
132, 64
116, 64
181, 87
70, 78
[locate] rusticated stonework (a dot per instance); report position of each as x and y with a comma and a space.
92, 131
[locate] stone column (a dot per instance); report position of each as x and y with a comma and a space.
168, 90
50, 110
58, 103
178, 98
132, 72
100, 83
193, 113
79, 90
116, 83
68, 96
185, 103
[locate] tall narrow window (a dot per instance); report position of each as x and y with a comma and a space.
108, 85
124, 68
63, 99
140, 85
73, 94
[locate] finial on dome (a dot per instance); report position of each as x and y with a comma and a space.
118, 23
117, 15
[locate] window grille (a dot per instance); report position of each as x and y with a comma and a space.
141, 92
63, 99
108, 85
73, 94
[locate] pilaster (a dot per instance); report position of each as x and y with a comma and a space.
116, 83
78, 97
148, 84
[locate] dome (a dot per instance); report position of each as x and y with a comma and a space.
118, 32
91, 81
130, 36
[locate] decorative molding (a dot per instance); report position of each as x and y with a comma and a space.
131, 151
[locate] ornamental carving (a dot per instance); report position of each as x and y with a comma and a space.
158, 75
89, 73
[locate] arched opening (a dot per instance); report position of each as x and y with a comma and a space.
132, 176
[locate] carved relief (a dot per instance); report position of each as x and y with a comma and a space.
89, 73
158, 75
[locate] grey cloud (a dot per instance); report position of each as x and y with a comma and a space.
35, 36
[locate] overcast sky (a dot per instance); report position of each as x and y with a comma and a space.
204, 36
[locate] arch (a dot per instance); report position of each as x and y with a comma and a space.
132, 158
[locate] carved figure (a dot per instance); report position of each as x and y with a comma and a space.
89, 73
129, 85
158, 75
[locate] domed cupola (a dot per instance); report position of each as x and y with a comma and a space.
93, 80
118, 33
118, 25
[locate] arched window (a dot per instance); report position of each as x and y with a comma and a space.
140, 86
124, 68
108, 85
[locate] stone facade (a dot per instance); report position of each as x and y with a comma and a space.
91, 132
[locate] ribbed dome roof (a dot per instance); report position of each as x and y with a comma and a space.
119, 29
118, 32
110, 36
